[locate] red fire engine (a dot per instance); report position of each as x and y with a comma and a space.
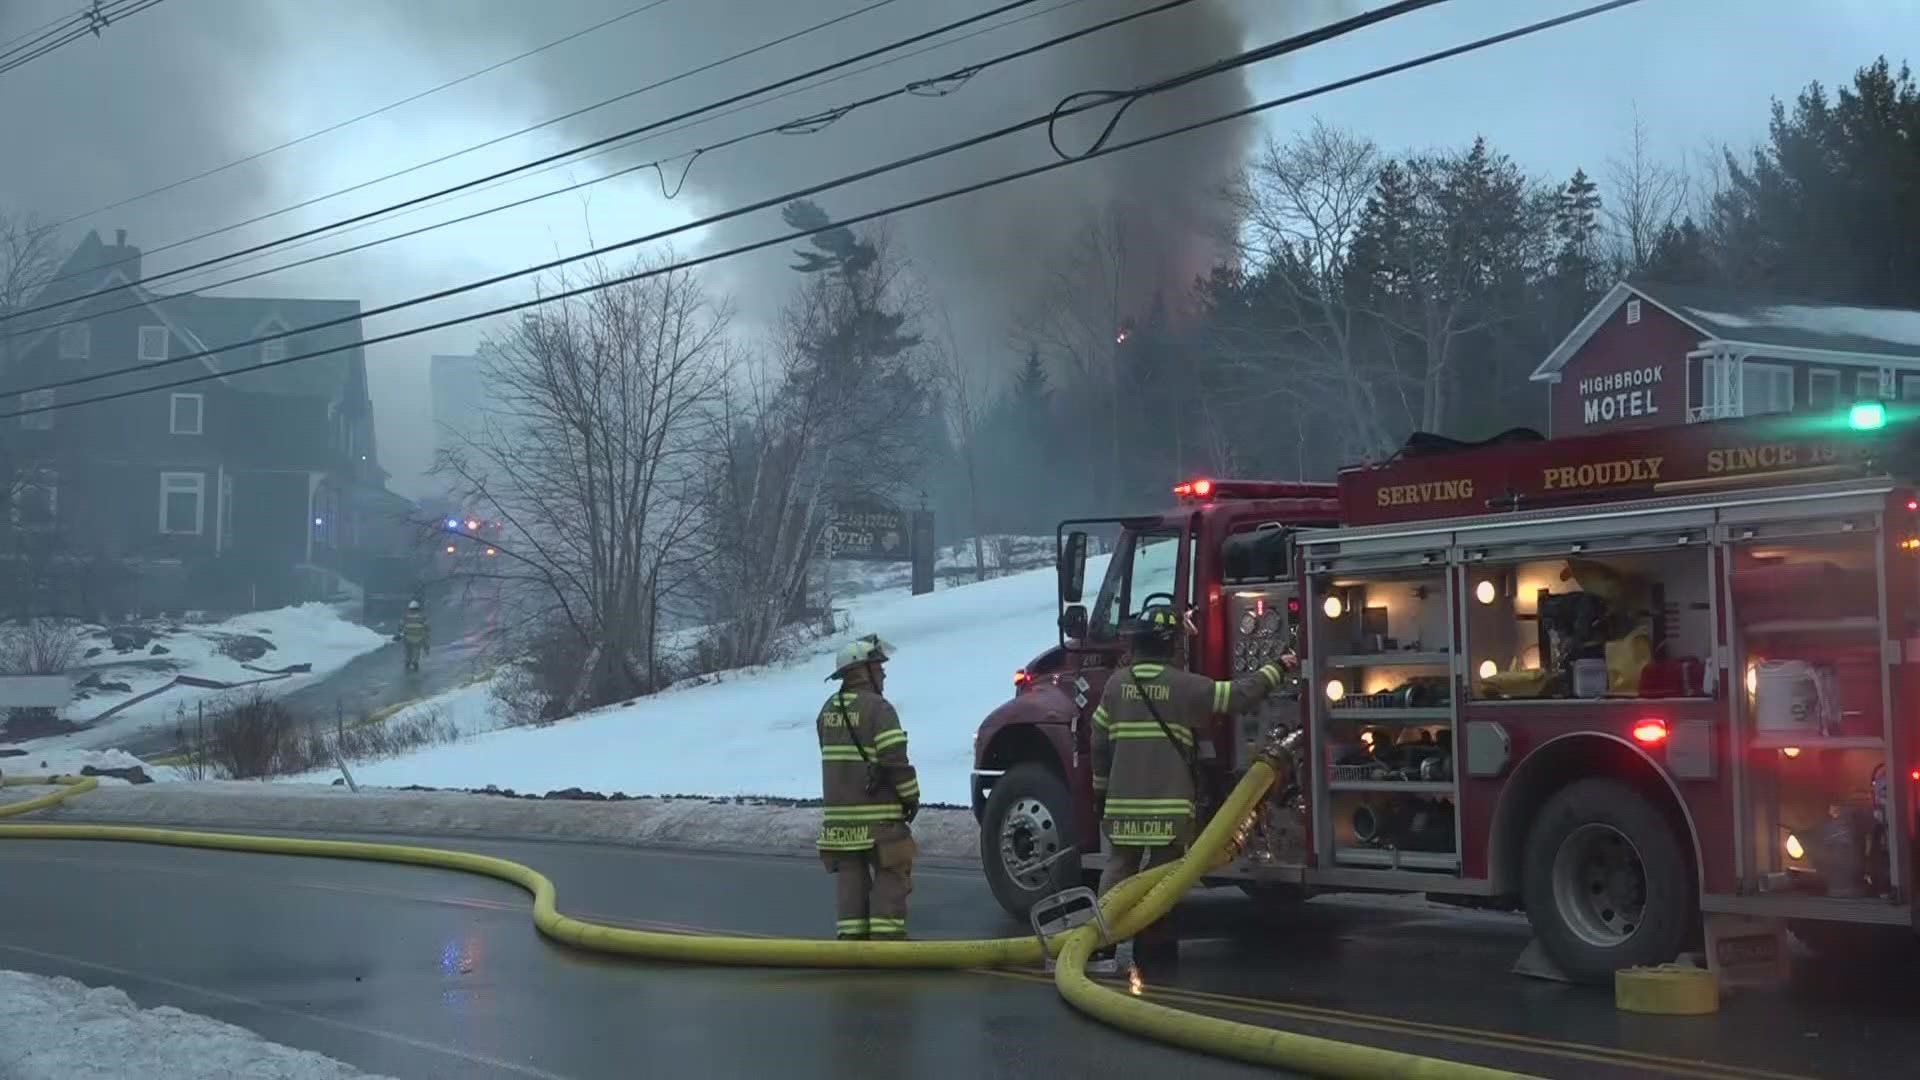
1621, 682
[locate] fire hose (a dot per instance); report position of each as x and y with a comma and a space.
1127, 909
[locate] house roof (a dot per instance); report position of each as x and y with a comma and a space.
226, 320
1760, 323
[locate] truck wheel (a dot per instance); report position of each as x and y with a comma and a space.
1605, 882
1028, 821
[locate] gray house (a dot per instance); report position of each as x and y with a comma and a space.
237, 491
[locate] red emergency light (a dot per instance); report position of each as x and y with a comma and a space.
1020, 679
1194, 489
1650, 732
1205, 488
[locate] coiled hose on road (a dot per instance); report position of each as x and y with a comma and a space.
1129, 908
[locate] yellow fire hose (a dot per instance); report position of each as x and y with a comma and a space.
1130, 907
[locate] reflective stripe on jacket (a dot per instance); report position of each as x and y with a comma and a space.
855, 817
1148, 786
413, 628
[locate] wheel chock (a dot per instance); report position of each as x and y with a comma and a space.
1666, 990
1534, 963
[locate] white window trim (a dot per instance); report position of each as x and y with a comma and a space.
48, 481
76, 341
37, 399
1746, 407
1861, 392
1910, 387
156, 336
1633, 312
273, 351
174, 426
181, 483
1832, 374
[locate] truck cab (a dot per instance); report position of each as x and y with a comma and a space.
1225, 557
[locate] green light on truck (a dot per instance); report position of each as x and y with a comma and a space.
1867, 416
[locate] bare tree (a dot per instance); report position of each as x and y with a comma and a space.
1300, 205
1647, 197
836, 413
594, 465
963, 399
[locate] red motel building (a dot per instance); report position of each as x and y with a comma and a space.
1650, 355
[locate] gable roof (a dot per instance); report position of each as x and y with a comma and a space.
1760, 323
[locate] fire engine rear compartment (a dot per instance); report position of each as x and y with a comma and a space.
1730, 657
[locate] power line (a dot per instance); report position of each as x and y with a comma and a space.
816, 27
91, 21
938, 86
1323, 34
1295, 43
368, 115
12, 45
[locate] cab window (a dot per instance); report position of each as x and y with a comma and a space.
1143, 564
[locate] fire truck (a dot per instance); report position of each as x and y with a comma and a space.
1627, 683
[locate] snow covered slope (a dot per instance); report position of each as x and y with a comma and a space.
315, 634
751, 732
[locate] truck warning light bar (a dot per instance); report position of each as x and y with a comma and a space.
1204, 489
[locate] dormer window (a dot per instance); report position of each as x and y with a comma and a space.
273, 351
186, 414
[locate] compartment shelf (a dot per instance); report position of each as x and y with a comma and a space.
1438, 714
1390, 659
1397, 787
1774, 740
1390, 859
1852, 624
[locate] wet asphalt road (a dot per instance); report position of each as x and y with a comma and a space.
425, 973
462, 633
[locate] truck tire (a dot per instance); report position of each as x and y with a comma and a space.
1028, 819
1605, 881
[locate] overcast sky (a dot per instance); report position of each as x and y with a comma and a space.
193, 84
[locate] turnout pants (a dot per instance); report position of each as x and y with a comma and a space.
871, 886
1126, 860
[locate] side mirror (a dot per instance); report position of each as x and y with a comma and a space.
1072, 568
1073, 622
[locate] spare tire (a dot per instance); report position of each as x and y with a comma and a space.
1606, 882
1028, 821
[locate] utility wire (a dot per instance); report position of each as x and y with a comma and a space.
95, 19
368, 115
938, 86
13, 45
1299, 41
927, 200
816, 27
636, 141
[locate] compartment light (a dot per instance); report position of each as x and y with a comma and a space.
1650, 732
1795, 850
1485, 592
1789, 752
1753, 679
1336, 689
1488, 669
1333, 607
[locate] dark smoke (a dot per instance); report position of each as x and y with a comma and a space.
194, 83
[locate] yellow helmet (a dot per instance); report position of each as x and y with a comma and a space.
870, 649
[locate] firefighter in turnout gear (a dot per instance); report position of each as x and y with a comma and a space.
413, 634
1144, 736
871, 794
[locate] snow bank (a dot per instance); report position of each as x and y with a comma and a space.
708, 824
66, 761
751, 732
314, 634
57, 1029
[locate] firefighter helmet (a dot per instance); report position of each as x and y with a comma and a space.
871, 649
413, 605
1156, 630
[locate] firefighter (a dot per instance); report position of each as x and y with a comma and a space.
871, 795
1144, 766
413, 634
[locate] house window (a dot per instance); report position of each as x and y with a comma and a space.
1866, 386
1765, 388
273, 351
183, 497
1633, 312
184, 413
1823, 391
153, 343
33, 501
76, 341
1910, 388
37, 399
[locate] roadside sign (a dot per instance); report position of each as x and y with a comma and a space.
869, 532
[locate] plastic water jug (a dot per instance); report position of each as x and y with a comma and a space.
1790, 698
